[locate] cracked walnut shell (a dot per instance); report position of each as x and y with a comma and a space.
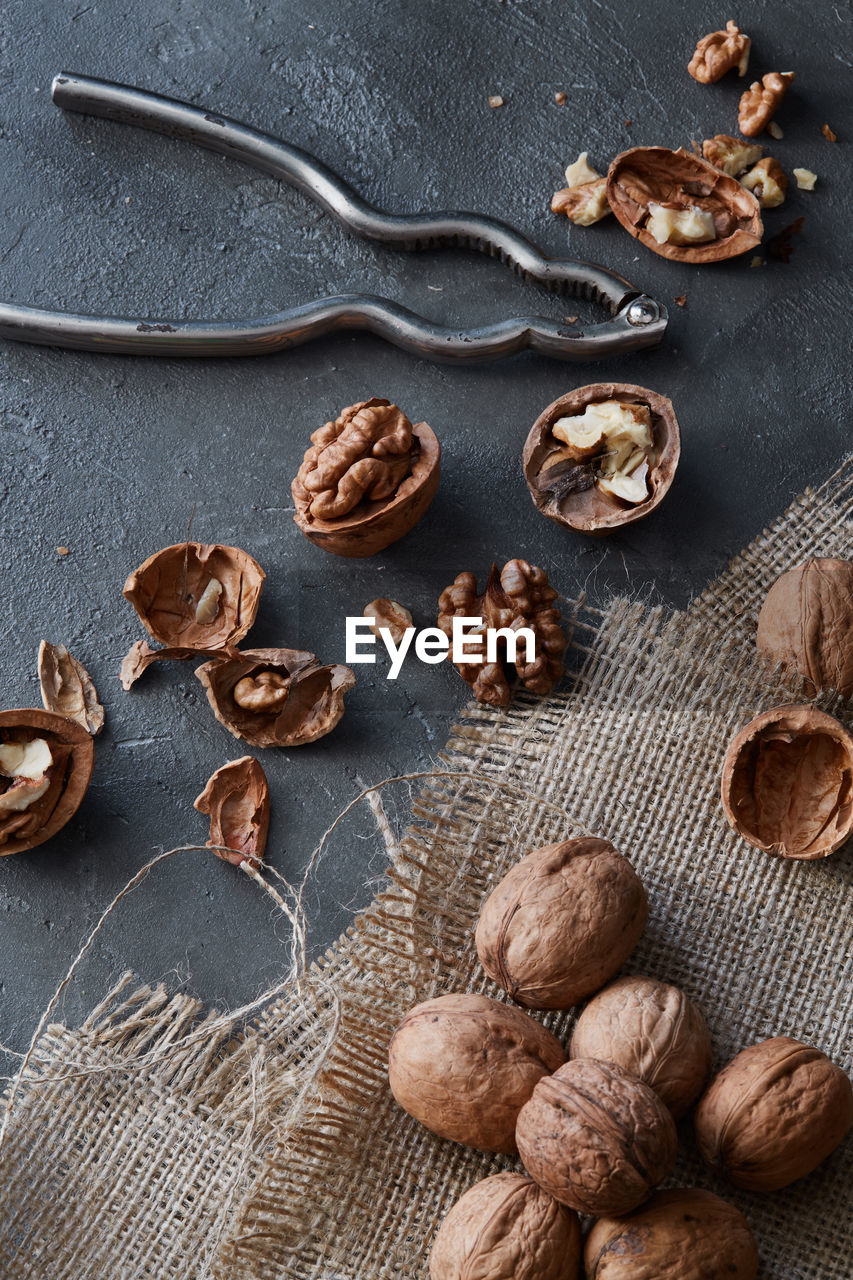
507, 1228
519, 596
773, 1114
760, 102
718, 53
46, 763
275, 697
787, 782
676, 1235
464, 1066
647, 186
196, 595
596, 1138
561, 923
566, 487
652, 1030
367, 479
806, 625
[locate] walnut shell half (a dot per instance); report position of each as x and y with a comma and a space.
806, 624
507, 1228
26, 822
676, 1235
652, 1030
573, 499
773, 1114
655, 175
275, 697
561, 922
464, 1066
787, 783
596, 1138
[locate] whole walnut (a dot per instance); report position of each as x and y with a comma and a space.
652, 1030
806, 624
596, 1138
464, 1066
773, 1114
507, 1228
677, 1235
561, 923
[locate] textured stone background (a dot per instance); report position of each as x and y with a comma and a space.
110, 456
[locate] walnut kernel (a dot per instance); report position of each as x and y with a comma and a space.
584, 199
805, 179
761, 101
718, 53
768, 182
731, 155
389, 614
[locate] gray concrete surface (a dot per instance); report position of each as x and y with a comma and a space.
111, 456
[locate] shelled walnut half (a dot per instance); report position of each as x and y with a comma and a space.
601, 456
584, 198
367, 479
45, 766
275, 697
520, 596
761, 101
681, 207
718, 53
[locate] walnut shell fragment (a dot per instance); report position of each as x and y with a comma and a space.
67, 688
676, 1235
464, 1066
197, 596
681, 181
567, 489
507, 1228
653, 1031
367, 479
596, 1138
773, 1114
561, 922
806, 625
237, 798
787, 783
141, 657
275, 697
519, 596
38, 795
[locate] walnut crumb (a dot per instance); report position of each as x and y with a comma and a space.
560, 98
757, 261
496, 100
829, 134
775, 131
62, 551
805, 179
681, 299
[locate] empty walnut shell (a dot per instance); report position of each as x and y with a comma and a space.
676, 1235
359, 448
655, 175
787, 783
464, 1066
652, 1030
773, 1114
306, 702
67, 778
806, 625
561, 923
580, 504
197, 595
596, 1138
507, 1228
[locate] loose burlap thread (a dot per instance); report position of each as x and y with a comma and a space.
234, 1154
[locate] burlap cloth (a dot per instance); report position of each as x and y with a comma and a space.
278, 1151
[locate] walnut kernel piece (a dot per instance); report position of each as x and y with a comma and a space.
596, 1138
805, 179
768, 182
829, 134
676, 1235
237, 798
391, 615
584, 199
266, 691
45, 766
561, 923
506, 1226
731, 155
787, 783
620, 437
806, 625
718, 53
773, 1114
775, 131
173, 594
67, 687
519, 596
367, 479
682, 183
464, 1066
761, 101
496, 100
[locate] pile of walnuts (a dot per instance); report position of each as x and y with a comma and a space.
595, 1123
